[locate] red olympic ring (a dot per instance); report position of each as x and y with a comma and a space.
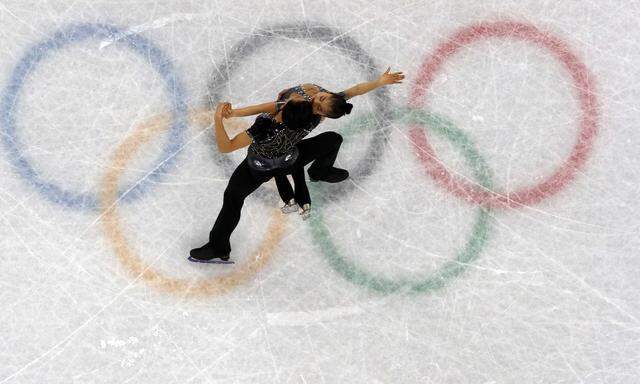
583, 84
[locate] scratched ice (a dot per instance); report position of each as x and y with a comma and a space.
488, 232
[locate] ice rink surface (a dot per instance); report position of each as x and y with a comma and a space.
488, 232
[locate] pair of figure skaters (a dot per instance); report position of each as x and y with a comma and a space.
277, 148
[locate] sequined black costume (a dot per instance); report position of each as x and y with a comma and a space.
273, 144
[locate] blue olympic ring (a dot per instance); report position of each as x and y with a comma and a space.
62, 38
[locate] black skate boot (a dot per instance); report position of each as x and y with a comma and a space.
334, 175
206, 254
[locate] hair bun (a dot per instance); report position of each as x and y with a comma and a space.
337, 106
347, 108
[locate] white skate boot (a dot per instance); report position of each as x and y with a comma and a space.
306, 211
290, 207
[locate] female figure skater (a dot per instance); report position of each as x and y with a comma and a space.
276, 149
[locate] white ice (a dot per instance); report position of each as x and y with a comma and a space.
551, 298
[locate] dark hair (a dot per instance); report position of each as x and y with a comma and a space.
296, 114
338, 106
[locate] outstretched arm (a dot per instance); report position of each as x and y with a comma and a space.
251, 110
225, 144
386, 78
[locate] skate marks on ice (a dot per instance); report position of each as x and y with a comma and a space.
61, 39
583, 84
433, 167
481, 191
175, 123
348, 268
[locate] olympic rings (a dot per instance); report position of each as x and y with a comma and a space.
109, 197
323, 34
132, 262
583, 84
61, 39
357, 275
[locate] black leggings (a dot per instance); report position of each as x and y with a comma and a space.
322, 148
299, 192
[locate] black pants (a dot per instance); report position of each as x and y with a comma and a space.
299, 191
322, 148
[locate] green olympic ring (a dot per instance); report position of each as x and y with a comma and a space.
451, 269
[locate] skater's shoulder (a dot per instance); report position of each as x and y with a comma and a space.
263, 128
311, 89
266, 121
263, 121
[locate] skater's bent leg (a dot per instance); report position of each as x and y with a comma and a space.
322, 148
323, 151
241, 184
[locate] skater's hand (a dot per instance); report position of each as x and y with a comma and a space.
306, 211
224, 111
389, 77
227, 112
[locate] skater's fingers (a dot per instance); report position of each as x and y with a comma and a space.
221, 106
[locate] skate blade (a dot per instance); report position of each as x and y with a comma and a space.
212, 261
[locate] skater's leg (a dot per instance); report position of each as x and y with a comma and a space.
301, 189
286, 193
241, 184
284, 188
322, 150
302, 192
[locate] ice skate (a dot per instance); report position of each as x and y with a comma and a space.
334, 175
206, 255
306, 211
290, 207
